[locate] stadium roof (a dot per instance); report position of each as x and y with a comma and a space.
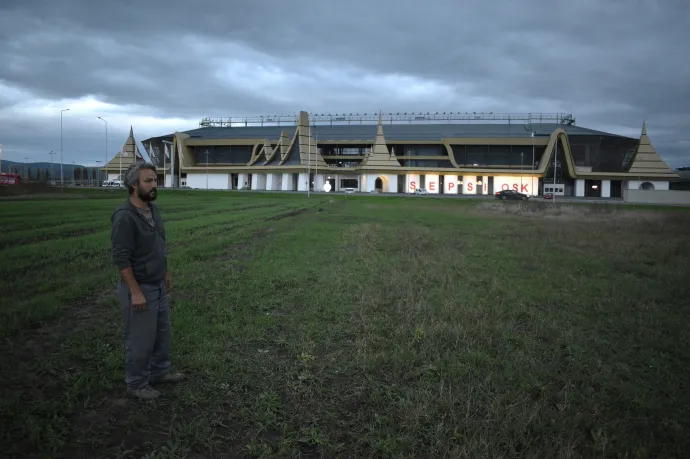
393, 132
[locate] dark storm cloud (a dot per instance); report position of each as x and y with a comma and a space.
614, 63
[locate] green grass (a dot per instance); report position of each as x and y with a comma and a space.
354, 326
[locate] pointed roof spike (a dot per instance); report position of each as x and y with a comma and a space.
646, 159
379, 155
129, 152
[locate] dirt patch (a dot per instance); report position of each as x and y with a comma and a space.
578, 212
363, 239
292, 213
30, 370
40, 337
39, 196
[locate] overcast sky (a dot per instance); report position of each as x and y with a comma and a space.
162, 65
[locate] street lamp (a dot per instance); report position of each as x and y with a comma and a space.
105, 164
532, 175
172, 162
52, 165
62, 177
99, 170
207, 169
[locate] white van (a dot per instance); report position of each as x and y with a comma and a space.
115, 183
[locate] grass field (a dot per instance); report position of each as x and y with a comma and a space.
354, 327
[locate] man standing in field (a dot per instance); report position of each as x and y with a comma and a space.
139, 251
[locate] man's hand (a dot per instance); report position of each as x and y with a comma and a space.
168, 281
138, 301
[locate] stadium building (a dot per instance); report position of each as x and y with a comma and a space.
470, 154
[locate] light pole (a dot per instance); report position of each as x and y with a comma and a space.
532, 176
62, 177
555, 165
521, 155
99, 171
52, 165
206, 169
26, 166
105, 164
168, 143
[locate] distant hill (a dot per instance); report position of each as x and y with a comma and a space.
51, 171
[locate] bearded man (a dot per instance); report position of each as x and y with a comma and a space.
140, 252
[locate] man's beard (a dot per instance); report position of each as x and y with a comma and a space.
146, 197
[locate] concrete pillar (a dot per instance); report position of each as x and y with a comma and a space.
269, 182
606, 188
580, 188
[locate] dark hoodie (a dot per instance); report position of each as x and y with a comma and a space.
138, 244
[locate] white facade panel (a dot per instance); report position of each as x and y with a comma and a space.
319, 181
579, 188
303, 180
392, 183
450, 184
215, 181
606, 188
412, 184
242, 181
469, 185
431, 183
657, 184
287, 184
259, 181
525, 184
483, 188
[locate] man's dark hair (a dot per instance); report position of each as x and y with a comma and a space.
132, 174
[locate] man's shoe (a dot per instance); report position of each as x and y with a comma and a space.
145, 393
167, 378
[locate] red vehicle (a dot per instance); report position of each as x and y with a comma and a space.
10, 179
548, 195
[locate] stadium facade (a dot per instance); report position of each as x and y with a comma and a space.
468, 154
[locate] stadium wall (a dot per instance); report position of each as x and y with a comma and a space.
657, 197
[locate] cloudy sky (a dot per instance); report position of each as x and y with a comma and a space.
162, 65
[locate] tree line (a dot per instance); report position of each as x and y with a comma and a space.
39, 174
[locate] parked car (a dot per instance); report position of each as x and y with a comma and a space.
511, 194
349, 190
421, 191
548, 195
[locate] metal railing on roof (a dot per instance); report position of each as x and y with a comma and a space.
390, 118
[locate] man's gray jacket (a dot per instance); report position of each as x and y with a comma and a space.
137, 244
